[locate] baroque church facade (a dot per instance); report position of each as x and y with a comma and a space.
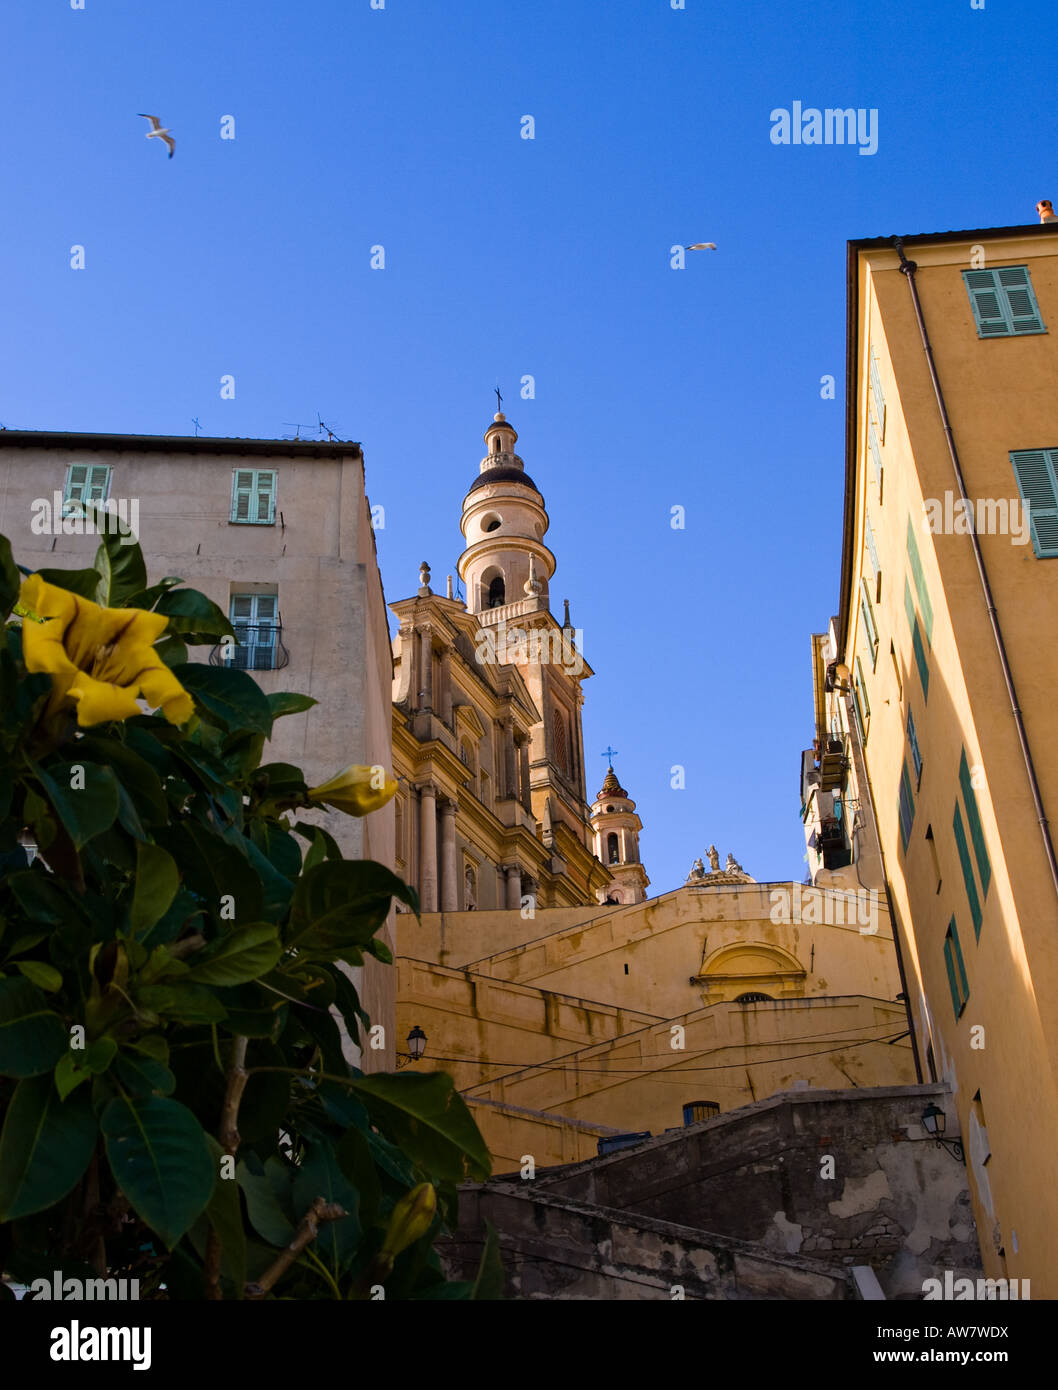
488, 743
569, 1007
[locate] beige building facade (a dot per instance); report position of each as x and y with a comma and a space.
279, 535
935, 689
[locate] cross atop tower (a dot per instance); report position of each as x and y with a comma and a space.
499, 399
610, 753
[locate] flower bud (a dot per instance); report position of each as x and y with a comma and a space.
412, 1218
357, 791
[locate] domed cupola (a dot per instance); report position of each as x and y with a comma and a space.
504, 522
616, 828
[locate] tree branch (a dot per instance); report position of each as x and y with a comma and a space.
228, 1135
320, 1212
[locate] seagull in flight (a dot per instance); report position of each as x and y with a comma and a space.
159, 130
702, 246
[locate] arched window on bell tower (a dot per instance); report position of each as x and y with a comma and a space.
497, 592
613, 848
560, 741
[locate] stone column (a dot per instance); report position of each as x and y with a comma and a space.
514, 885
444, 695
425, 699
428, 848
578, 742
523, 764
449, 887
509, 767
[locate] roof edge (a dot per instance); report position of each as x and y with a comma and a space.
186, 443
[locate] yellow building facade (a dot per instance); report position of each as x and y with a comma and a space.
935, 688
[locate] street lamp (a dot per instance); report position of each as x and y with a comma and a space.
933, 1122
416, 1047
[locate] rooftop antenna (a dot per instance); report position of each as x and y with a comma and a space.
194, 421
297, 427
323, 427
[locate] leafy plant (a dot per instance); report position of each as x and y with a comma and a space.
175, 999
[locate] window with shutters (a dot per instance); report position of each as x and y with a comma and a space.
869, 625
255, 618
253, 496
86, 482
953, 963
1036, 472
1003, 302
906, 806
876, 455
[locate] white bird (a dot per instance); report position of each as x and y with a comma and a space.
702, 246
159, 130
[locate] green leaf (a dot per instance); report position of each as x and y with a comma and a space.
147, 598
42, 896
224, 1214
136, 774
379, 950
217, 871
354, 1158
320, 1175
45, 1147
83, 583
144, 1076
84, 811
238, 956
44, 976
262, 1205
160, 1160
121, 569
278, 846
342, 904
32, 1038
155, 886
193, 614
77, 1064
282, 702
490, 1279
427, 1117
180, 1003
10, 579
233, 698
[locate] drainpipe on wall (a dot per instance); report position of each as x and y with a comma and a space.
908, 268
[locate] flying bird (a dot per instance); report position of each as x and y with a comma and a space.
702, 246
159, 130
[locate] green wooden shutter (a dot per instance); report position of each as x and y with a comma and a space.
906, 806
266, 496
876, 453
87, 482
973, 819
867, 609
1036, 472
953, 963
1022, 309
987, 304
917, 645
919, 577
241, 491
872, 549
861, 703
967, 870
912, 739
876, 394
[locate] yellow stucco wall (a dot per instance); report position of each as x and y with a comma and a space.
1000, 1054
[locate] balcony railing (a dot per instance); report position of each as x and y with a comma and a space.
260, 648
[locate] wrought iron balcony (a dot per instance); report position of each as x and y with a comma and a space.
259, 648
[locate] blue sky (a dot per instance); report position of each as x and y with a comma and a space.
655, 388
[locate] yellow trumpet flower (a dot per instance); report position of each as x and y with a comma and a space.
357, 791
99, 659
412, 1217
